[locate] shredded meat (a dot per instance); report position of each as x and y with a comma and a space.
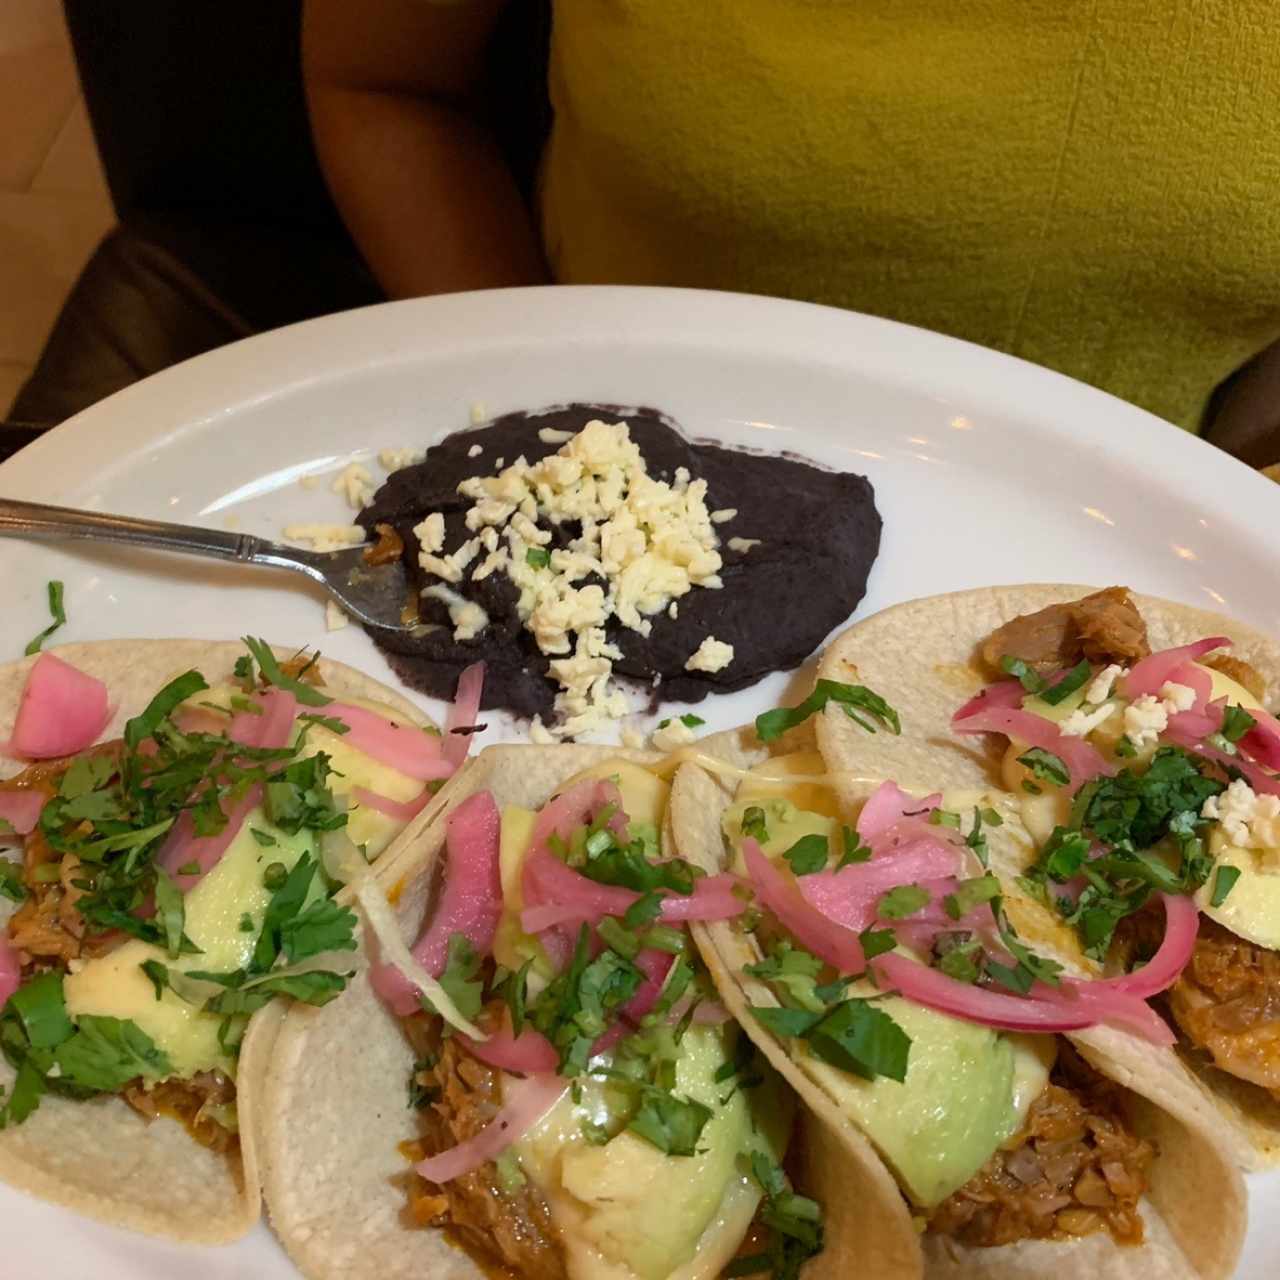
1227, 1003
507, 1227
1104, 627
388, 549
1240, 671
193, 1102
1075, 1169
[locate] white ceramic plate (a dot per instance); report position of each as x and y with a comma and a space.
987, 470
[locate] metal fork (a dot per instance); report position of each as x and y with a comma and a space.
375, 594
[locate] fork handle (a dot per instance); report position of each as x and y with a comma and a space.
35, 520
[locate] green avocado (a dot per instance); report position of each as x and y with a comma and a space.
966, 1092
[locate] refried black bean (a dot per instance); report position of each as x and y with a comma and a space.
818, 533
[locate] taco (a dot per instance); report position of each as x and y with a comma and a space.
1133, 734
991, 1125
545, 1086
175, 806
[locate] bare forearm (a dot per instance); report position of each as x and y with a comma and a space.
425, 193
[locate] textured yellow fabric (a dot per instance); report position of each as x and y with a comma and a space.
1093, 185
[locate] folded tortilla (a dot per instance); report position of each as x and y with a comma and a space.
870, 1229
100, 1157
922, 657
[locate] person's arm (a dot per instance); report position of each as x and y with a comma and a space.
421, 186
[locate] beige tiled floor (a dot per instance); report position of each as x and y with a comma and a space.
54, 205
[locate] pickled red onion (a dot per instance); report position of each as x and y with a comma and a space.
1004, 693
1256, 776
10, 968
21, 809
935, 990
849, 896
182, 846
656, 967
1181, 923
1262, 742
470, 903
272, 727
829, 941
405, 747
530, 1100
887, 806
401, 810
62, 711
1083, 761
1153, 671
463, 713
576, 807
529, 1053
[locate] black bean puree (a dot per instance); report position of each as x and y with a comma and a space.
819, 533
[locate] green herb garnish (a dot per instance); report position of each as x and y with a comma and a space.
57, 612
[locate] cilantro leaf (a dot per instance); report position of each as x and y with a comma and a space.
317, 987
1026, 675
971, 894
644, 910
1236, 722
537, 557
753, 824
1045, 766
807, 855
876, 942
459, 979
57, 612
305, 693
1224, 879
323, 926
42, 1009
771, 725
298, 796
671, 1124
1073, 680
162, 706
863, 1039
286, 903
901, 901
853, 850
11, 885
171, 912
105, 1053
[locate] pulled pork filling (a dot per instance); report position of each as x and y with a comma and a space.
1227, 1003
501, 1222
49, 932
1104, 627
1076, 1168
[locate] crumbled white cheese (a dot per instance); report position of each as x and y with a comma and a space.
355, 484
743, 544
397, 459
475, 451
673, 611
633, 739
711, 655
468, 618
334, 617
1248, 820
1177, 697
724, 515
430, 533
1081, 721
648, 542
672, 736
325, 537
1100, 686
539, 733
1144, 720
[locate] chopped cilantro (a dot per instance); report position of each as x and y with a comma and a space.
970, 894
460, 978
944, 818
1026, 675
853, 850
959, 956
274, 875
56, 611
305, 693
41, 1007
644, 910
807, 855
246, 923
753, 824
876, 942
1125, 748
771, 725
671, 1124
171, 913
1064, 854
794, 1223
1236, 722
902, 901
11, 885
162, 706
1224, 879
157, 973
537, 557
264, 838
1073, 680
298, 796
422, 1095
863, 1039
323, 926
516, 994
1045, 766
105, 1053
